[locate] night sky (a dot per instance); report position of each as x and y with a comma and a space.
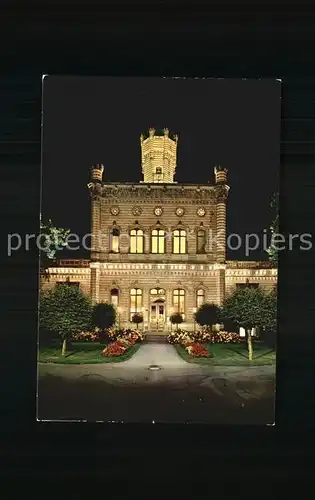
234, 123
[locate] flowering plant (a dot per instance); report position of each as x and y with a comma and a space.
198, 350
113, 349
87, 336
225, 338
205, 335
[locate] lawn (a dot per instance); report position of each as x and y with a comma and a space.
82, 353
232, 355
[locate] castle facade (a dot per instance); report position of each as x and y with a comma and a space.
159, 246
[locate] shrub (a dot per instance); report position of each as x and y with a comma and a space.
207, 314
103, 317
137, 318
176, 319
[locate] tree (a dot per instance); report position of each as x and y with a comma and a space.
248, 308
274, 229
269, 318
176, 319
207, 315
66, 311
137, 318
54, 238
103, 317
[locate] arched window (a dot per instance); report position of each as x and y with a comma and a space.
157, 291
158, 241
114, 296
179, 301
136, 241
200, 297
135, 301
201, 241
179, 241
114, 240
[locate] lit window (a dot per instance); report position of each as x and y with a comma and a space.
136, 241
200, 297
114, 296
179, 301
157, 291
135, 301
179, 241
158, 241
201, 241
114, 246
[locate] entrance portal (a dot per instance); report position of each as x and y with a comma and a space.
157, 315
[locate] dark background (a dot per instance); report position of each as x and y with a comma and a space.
229, 122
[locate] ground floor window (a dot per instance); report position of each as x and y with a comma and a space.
69, 283
114, 296
200, 297
135, 301
247, 285
179, 301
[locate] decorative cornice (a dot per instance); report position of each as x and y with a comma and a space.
142, 191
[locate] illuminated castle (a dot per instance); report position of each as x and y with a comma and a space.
163, 244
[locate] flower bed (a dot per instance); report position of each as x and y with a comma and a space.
225, 338
112, 334
184, 338
198, 350
119, 346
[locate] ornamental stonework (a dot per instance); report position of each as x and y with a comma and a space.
134, 192
136, 210
221, 194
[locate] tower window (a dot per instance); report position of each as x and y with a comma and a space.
158, 175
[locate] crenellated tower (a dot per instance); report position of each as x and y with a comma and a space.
95, 187
158, 156
221, 190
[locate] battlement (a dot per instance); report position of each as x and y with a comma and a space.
97, 172
220, 174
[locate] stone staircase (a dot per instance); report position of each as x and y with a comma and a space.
156, 337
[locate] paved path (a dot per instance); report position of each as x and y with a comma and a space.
179, 391
164, 355
174, 370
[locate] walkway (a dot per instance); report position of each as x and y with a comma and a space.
178, 391
163, 355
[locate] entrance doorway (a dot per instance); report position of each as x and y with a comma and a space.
157, 315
